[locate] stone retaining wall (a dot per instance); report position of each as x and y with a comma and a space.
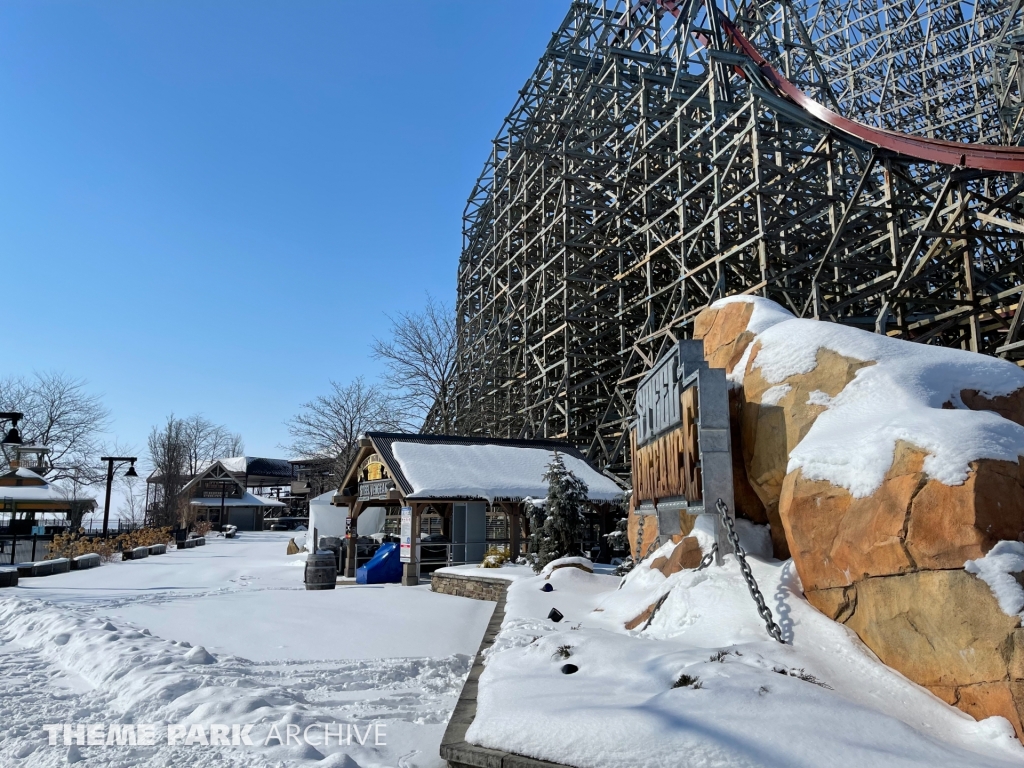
476, 587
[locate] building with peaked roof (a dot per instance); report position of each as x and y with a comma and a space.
464, 480
27, 497
219, 497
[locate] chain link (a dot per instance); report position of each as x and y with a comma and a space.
763, 610
708, 559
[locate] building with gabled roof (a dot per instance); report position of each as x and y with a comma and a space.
219, 497
463, 480
26, 496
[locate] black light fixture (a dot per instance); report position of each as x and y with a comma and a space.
111, 461
13, 436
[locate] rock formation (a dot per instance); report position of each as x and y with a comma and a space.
883, 551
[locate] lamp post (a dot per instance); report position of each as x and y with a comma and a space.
13, 437
111, 461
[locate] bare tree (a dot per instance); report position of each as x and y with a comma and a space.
168, 456
133, 500
206, 441
179, 450
63, 416
420, 366
329, 426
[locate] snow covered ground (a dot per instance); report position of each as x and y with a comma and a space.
226, 634
822, 699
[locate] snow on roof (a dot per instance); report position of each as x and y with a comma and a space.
44, 492
488, 471
247, 500
900, 397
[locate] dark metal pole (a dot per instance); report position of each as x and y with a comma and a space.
223, 490
106, 504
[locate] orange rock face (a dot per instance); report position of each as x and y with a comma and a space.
724, 333
1009, 406
889, 566
687, 554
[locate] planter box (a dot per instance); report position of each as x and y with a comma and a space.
135, 554
83, 562
186, 544
8, 577
200, 541
157, 549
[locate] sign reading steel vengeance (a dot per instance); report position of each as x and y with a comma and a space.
375, 489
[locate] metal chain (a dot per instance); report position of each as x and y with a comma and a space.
708, 559
763, 610
639, 535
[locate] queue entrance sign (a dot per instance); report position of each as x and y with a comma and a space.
405, 535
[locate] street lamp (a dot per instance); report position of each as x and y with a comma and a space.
111, 461
13, 437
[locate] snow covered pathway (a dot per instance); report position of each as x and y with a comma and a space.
226, 635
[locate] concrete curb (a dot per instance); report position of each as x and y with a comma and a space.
454, 747
44, 568
83, 562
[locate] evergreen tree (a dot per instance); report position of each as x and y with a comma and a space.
558, 535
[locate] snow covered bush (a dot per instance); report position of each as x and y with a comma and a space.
555, 527
495, 557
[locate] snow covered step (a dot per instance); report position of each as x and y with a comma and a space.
44, 567
8, 577
82, 562
135, 554
157, 549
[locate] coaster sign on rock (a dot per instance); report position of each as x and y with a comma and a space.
681, 452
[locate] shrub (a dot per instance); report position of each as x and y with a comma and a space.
687, 681
495, 557
73, 543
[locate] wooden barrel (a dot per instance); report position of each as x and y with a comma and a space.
321, 570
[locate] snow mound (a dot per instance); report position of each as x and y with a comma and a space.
564, 562
904, 394
706, 682
997, 569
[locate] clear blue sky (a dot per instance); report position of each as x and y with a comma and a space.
208, 206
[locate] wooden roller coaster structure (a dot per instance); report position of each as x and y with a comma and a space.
854, 161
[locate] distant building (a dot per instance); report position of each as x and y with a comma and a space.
266, 480
217, 496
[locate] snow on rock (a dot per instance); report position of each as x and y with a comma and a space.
567, 562
489, 471
821, 699
898, 397
997, 569
765, 314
